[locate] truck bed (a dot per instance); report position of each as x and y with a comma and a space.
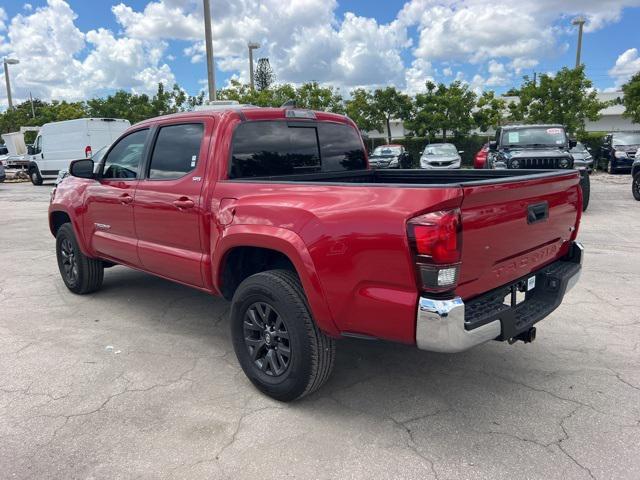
413, 177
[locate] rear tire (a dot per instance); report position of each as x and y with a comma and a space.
278, 345
635, 186
585, 184
80, 273
34, 176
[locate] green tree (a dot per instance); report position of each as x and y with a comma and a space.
389, 103
315, 97
264, 76
567, 98
489, 112
631, 100
443, 108
359, 108
427, 115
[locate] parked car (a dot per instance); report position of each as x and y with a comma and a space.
582, 157
535, 147
440, 155
619, 150
277, 211
480, 159
635, 176
59, 143
3, 174
390, 156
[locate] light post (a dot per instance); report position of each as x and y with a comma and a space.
211, 73
580, 22
252, 46
7, 62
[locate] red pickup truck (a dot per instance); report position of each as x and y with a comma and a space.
276, 210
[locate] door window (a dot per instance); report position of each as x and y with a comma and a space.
37, 146
176, 151
123, 161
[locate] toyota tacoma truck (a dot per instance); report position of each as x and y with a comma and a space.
277, 211
534, 147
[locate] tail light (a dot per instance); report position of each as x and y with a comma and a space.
436, 240
87, 152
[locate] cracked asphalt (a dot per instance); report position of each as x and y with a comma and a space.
139, 380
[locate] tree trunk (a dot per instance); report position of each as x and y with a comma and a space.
444, 134
388, 130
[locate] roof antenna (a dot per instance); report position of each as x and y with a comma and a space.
289, 104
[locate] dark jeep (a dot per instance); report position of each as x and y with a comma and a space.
533, 147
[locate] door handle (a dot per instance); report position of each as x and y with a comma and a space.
126, 199
183, 203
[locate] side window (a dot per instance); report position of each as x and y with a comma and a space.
37, 146
176, 151
340, 148
123, 161
273, 148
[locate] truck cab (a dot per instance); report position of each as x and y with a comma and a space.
536, 147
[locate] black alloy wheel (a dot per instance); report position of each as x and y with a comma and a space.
635, 186
267, 339
69, 261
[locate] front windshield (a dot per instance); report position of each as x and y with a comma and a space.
444, 149
534, 137
626, 138
386, 151
579, 148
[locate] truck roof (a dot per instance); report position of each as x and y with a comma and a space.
257, 113
534, 125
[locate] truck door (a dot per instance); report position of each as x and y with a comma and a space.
109, 201
168, 209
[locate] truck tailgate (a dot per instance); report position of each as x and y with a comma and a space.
512, 228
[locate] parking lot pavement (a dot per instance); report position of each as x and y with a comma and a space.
140, 380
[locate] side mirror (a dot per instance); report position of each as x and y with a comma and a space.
493, 145
82, 168
31, 150
572, 143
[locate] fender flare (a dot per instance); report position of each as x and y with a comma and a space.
289, 244
75, 224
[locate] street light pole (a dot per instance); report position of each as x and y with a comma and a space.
7, 62
580, 22
252, 46
211, 73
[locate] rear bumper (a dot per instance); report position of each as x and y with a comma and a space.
451, 326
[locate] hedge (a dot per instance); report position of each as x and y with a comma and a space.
415, 145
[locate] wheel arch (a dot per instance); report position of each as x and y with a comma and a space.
58, 216
277, 248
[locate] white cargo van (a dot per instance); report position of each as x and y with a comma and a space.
59, 143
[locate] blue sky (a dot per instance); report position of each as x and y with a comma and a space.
78, 48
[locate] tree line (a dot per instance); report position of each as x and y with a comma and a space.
567, 97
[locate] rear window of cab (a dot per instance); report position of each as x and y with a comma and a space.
278, 147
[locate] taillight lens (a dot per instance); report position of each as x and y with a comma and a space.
436, 241
87, 151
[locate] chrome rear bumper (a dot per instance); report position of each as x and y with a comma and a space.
440, 324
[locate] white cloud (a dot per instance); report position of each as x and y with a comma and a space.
54, 63
627, 64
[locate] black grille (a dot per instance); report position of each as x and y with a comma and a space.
546, 163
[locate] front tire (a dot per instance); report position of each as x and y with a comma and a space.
278, 345
80, 273
34, 176
635, 186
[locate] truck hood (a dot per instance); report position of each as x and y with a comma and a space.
535, 153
